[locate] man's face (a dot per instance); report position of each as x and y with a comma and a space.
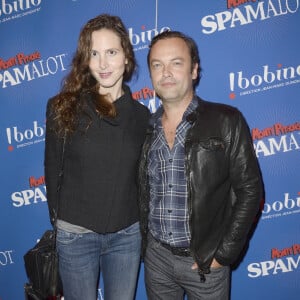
170, 69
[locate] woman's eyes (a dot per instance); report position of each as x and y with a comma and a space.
110, 52
94, 53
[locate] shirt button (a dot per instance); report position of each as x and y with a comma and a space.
170, 160
170, 185
169, 211
170, 233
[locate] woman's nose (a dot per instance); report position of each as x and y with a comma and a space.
103, 62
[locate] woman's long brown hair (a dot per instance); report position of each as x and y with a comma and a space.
66, 105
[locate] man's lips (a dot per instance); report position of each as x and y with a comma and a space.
167, 83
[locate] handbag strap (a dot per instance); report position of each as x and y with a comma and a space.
60, 176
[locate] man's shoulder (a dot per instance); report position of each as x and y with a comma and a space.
217, 108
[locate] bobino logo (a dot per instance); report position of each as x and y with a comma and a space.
286, 206
282, 260
11, 10
266, 78
19, 138
140, 39
244, 12
27, 67
35, 194
275, 139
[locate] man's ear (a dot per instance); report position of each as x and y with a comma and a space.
195, 71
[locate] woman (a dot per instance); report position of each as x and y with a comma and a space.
104, 129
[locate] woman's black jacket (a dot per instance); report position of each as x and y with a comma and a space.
99, 183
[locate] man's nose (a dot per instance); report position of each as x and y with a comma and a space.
166, 72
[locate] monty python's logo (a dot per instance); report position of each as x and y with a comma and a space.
241, 13
282, 261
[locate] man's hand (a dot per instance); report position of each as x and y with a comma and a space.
214, 264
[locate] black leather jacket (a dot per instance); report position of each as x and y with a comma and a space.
224, 183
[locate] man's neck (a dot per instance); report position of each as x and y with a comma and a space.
171, 118
173, 111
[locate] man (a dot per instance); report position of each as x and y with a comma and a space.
200, 184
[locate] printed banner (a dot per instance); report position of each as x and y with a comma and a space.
250, 58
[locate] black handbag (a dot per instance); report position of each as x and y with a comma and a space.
41, 262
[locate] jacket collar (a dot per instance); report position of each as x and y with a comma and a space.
124, 101
192, 117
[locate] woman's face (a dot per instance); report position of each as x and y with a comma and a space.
107, 62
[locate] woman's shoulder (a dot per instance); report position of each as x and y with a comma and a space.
141, 108
141, 113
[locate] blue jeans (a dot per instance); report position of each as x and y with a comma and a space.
169, 277
82, 257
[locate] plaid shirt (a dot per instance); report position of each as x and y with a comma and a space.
168, 217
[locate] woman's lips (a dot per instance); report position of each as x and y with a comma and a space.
105, 75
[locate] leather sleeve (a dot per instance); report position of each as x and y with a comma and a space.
247, 188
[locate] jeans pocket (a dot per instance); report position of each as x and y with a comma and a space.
219, 271
130, 230
65, 237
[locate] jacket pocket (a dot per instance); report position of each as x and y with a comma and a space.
211, 144
209, 159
